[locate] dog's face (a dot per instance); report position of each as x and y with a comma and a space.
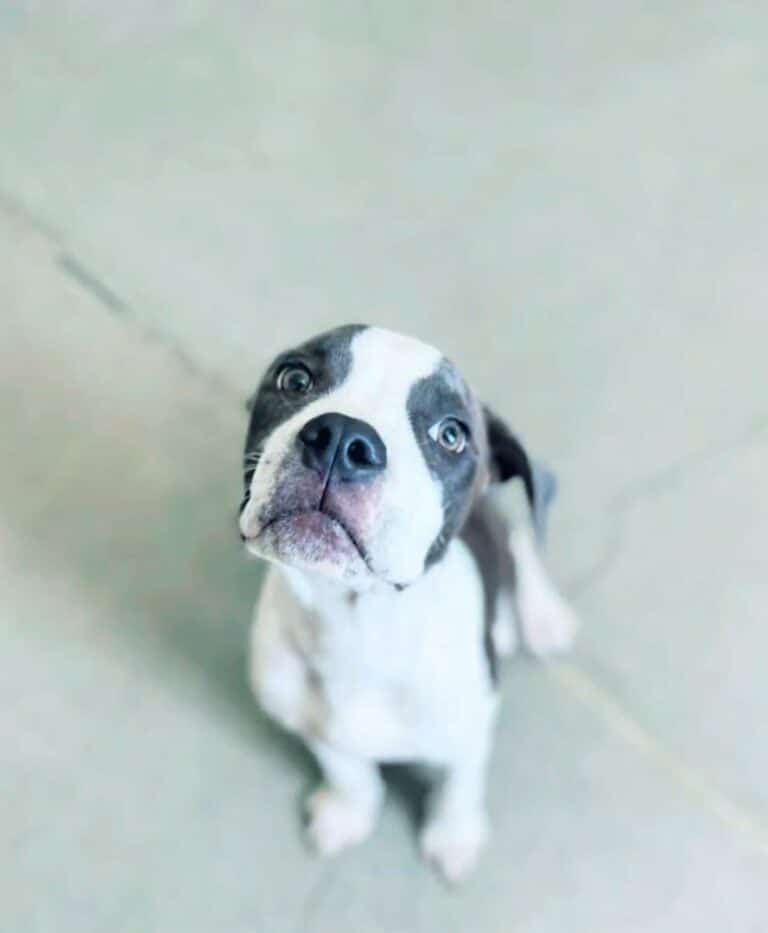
364, 453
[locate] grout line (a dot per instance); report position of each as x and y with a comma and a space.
601, 702
644, 488
16, 210
87, 280
313, 900
108, 298
650, 485
611, 551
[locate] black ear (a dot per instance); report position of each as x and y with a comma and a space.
509, 459
507, 456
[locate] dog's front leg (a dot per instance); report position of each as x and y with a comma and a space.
344, 809
457, 827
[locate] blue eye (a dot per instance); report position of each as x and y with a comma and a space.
450, 434
294, 379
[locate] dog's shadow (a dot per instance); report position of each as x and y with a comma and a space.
131, 495
196, 604
140, 513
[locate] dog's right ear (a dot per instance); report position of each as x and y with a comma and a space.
509, 459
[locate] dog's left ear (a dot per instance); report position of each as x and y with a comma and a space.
507, 455
508, 459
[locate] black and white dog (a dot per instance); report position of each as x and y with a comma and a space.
397, 585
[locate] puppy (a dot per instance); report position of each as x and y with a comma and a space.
395, 584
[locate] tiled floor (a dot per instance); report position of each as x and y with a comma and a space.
572, 203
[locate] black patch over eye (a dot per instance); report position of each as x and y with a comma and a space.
294, 379
454, 470
450, 434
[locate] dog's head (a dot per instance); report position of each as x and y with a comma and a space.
364, 454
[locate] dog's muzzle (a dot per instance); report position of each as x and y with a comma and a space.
323, 503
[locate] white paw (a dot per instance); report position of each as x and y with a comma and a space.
453, 845
547, 621
336, 822
549, 625
504, 639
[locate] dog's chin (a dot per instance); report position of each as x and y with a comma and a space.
312, 541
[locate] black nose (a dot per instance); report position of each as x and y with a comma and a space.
342, 448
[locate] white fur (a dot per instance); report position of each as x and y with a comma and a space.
548, 623
404, 675
343, 811
387, 677
504, 631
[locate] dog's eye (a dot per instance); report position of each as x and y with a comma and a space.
451, 434
294, 379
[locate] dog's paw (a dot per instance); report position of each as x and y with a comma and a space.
335, 822
453, 845
549, 625
504, 639
504, 631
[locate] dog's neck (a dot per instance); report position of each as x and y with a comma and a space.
319, 592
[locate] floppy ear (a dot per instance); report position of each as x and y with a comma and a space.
507, 456
509, 459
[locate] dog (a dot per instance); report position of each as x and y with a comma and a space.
394, 583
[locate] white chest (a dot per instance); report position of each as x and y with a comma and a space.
397, 676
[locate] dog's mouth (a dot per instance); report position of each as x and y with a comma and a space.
309, 536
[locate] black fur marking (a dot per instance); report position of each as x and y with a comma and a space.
508, 457
486, 534
438, 396
328, 358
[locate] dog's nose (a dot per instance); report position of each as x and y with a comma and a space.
342, 448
